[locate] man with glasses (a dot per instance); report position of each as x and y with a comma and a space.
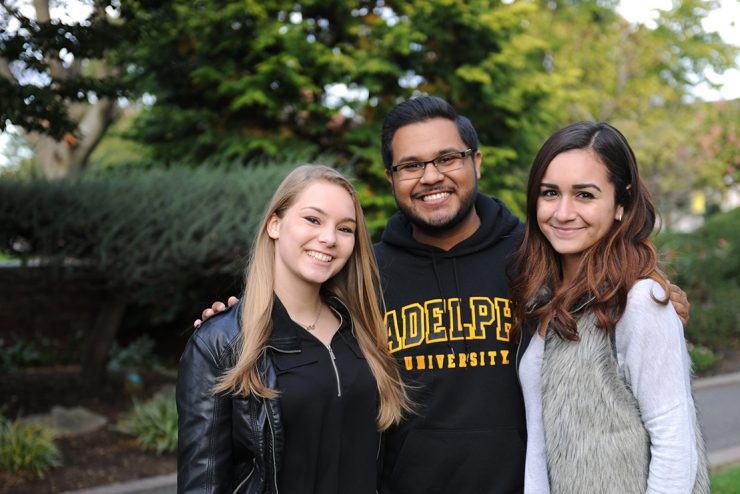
443, 259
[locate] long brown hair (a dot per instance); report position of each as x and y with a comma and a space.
356, 285
612, 265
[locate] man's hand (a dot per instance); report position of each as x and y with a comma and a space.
217, 307
680, 302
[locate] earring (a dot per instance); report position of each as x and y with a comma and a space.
619, 218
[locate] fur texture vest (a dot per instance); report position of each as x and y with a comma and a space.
594, 436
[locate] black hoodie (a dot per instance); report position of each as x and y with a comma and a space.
448, 316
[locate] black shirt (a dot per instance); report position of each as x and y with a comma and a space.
328, 406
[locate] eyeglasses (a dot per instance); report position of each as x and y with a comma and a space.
445, 163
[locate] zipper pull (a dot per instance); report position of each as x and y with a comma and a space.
336, 371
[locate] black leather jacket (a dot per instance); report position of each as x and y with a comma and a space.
226, 443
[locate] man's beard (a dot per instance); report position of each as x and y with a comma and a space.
466, 205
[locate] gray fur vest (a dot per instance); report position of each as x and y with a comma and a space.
595, 439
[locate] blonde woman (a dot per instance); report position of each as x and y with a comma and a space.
287, 390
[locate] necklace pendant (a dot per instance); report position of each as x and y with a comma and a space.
311, 327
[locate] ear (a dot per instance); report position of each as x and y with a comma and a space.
478, 158
619, 213
273, 227
389, 176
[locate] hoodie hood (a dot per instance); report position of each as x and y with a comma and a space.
496, 222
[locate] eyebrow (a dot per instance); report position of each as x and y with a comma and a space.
321, 211
576, 186
406, 159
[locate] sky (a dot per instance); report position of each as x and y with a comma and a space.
725, 20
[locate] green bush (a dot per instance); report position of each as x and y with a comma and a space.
726, 481
27, 448
153, 423
706, 264
155, 234
139, 354
702, 358
19, 351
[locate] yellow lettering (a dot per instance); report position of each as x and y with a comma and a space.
481, 312
463, 360
391, 324
503, 310
408, 363
450, 360
457, 328
420, 362
440, 361
473, 359
435, 311
505, 357
413, 325
492, 354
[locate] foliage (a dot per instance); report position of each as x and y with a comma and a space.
20, 351
691, 149
139, 354
155, 234
726, 480
153, 422
702, 358
706, 264
39, 54
234, 80
27, 448
627, 72
17, 354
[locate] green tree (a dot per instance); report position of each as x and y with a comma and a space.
237, 80
624, 73
58, 82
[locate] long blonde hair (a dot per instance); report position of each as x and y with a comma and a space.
357, 285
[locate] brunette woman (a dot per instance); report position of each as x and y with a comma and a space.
603, 363
287, 391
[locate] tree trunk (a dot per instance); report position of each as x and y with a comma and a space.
94, 364
70, 155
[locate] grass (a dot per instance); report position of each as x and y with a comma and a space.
8, 257
726, 480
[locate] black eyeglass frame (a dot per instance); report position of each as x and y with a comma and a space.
435, 161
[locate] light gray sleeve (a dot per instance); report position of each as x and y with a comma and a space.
654, 361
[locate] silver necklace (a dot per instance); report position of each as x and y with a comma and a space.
311, 327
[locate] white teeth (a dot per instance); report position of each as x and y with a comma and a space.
435, 197
319, 256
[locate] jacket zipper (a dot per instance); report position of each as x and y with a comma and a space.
272, 438
336, 371
246, 479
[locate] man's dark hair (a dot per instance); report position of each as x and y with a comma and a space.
421, 109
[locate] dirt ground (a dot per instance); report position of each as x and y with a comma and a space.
105, 456
89, 460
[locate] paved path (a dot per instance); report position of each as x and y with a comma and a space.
717, 399
718, 402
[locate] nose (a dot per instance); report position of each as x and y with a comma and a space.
565, 210
328, 235
431, 174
